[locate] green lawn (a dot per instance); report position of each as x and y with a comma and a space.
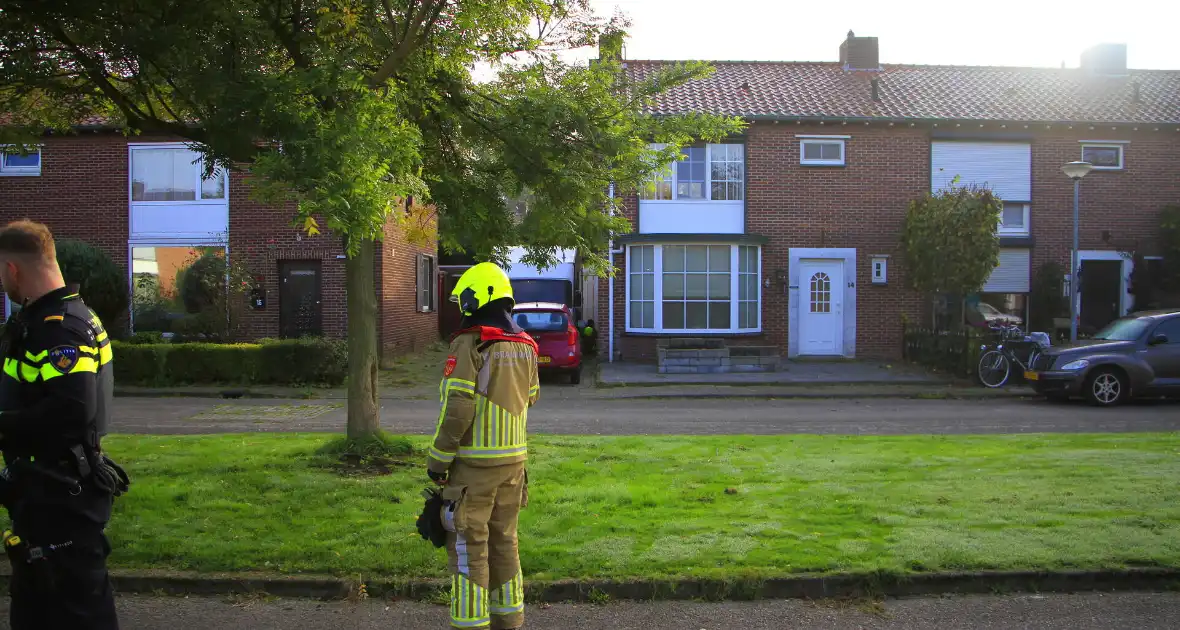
422, 369
718, 507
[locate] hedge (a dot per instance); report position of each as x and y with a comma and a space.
312, 361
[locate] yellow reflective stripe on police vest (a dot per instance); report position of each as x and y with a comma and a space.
22, 371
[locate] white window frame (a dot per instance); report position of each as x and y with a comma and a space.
672, 177
805, 140
657, 276
427, 302
20, 171
1020, 231
1106, 144
198, 171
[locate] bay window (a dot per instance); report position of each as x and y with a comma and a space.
679, 288
713, 172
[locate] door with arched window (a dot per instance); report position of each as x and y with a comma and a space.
821, 307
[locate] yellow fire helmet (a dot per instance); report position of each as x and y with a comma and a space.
480, 285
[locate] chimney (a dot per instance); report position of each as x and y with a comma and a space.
860, 53
610, 45
876, 89
1106, 59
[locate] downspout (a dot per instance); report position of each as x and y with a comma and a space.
610, 335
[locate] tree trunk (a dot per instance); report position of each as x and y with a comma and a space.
364, 419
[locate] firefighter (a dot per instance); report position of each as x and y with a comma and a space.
479, 451
55, 399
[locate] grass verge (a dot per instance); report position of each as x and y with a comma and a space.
415, 370
710, 507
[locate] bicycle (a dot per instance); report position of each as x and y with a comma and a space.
995, 364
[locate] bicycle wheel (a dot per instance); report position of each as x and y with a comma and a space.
994, 368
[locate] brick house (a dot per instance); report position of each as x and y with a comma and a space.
144, 202
788, 236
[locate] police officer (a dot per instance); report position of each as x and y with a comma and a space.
479, 451
55, 398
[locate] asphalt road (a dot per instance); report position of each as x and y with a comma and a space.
664, 416
1141, 611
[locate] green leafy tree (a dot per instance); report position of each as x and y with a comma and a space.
212, 290
362, 111
949, 240
100, 281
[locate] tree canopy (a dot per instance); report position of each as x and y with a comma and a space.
353, 106
950, 240
360, 110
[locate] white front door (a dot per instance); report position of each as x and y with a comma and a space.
821, 307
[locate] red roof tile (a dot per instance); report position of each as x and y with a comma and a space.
825, 90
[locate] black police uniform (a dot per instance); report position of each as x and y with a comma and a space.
55, 399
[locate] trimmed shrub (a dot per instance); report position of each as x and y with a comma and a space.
204, 363
140, 364
102, 283
311, 361
307, 361
149, 336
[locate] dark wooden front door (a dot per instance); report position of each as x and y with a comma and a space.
1101, 289
300, 312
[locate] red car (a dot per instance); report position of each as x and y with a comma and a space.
551, 324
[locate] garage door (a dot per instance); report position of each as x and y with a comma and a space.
1011, 275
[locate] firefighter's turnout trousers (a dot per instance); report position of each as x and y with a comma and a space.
490, 381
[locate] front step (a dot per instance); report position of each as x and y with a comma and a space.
712, 356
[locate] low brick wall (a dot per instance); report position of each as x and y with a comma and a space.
711, 356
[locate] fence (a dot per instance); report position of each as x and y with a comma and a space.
952, 351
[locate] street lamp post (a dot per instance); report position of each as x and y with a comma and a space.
1075, 171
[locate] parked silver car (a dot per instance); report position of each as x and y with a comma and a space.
1137, 355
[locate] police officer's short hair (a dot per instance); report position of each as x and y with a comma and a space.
27, 238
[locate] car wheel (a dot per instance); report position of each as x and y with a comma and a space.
576, 377
1106, 387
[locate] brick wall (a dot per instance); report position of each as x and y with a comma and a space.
1125, 203
863, 205
402, 327
82, 193
266, 237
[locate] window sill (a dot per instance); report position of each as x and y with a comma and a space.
693, 333
1107, 168
194, 202
700, 201
20, 173
827, 164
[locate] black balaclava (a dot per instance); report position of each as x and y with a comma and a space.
497, 314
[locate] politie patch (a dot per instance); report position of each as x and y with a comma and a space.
449, 368
63, 358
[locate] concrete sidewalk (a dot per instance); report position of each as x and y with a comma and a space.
1088, 611
798, 373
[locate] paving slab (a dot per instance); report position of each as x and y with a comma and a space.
791, 373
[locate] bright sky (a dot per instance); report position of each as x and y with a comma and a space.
1042, 33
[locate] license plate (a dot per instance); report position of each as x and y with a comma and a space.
543, 359
1031, 376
